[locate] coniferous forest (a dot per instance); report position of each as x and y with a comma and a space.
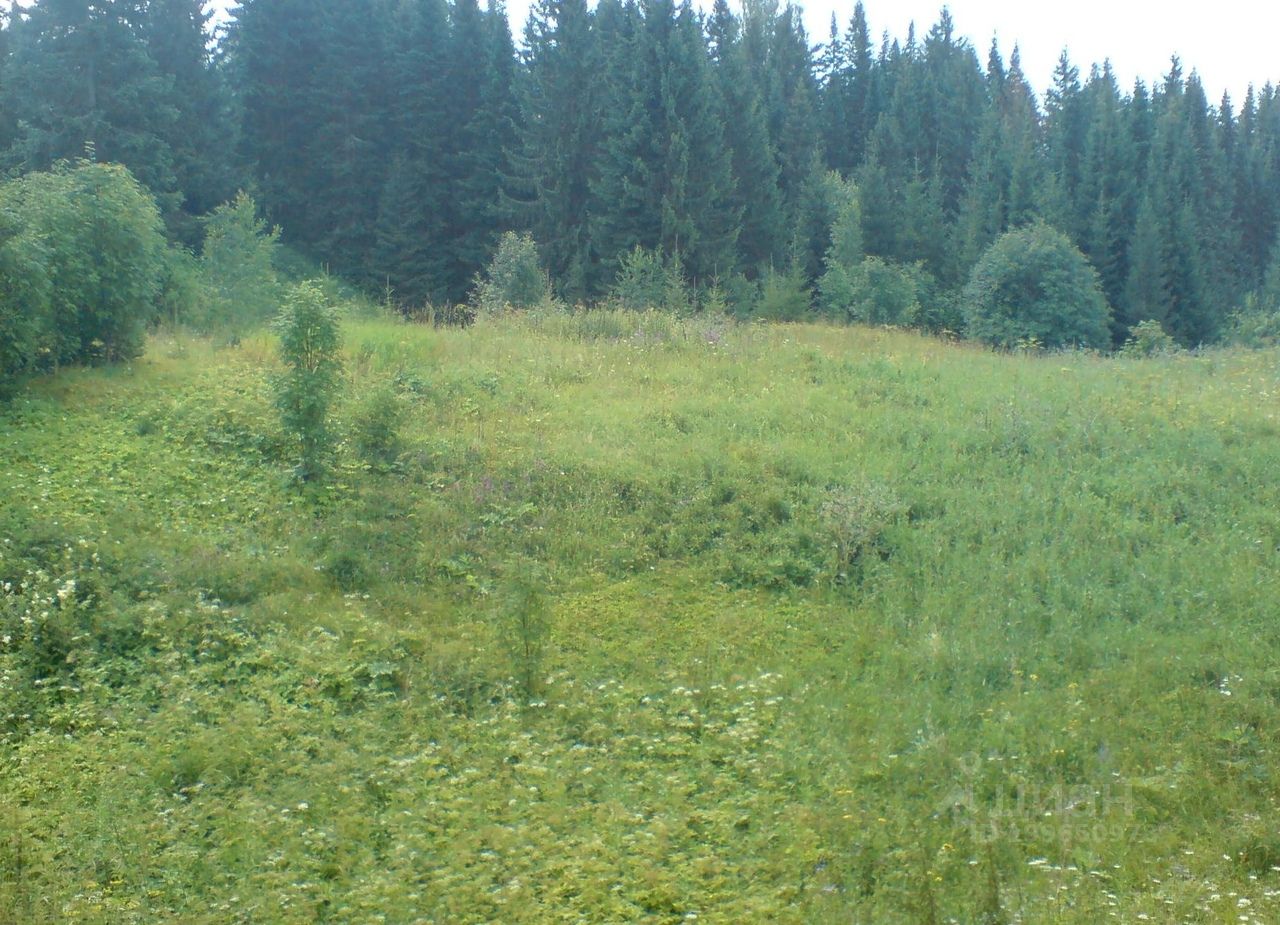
393, 142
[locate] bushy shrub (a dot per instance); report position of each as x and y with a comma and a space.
1253, 325
376, 426
239, 262
854, 519
940, 310
784, 295
24, 297
1034, 286
184, 292
514, 278
876, 291
82, 260
1149, 339
838, 284
647, 279
309, 344
1257, 322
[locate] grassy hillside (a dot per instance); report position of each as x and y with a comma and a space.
644, 620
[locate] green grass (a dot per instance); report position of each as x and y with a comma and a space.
645, 620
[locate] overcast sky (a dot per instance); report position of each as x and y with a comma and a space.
1232, 43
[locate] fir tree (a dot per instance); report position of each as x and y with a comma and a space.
548, 190
80, 81
755, 196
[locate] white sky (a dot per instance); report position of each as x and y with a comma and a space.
1231, 43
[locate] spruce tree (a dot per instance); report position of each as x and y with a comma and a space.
548, 188
668, 174
203, 136
80, 82
275, 48
409, 256
755, 196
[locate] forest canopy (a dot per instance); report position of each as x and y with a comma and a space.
395, 142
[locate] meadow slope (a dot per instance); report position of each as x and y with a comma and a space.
644, 620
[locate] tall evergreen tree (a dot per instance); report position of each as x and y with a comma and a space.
349, 150
80, 80
276, 47
668, 175
1064, 120
551, 171
409, 256
755, 195
203, 136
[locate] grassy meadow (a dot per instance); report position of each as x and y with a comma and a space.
621, 618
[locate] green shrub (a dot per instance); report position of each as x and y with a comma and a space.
514, 278
838, 285
784, 295
1034, 286
1257, 322
24, 297
239, 261
875, 292
1149, 339
184, 293
1253, 325
854, 520
940, 310
646, 279
82, 257
309, 344
524, 623
376, 426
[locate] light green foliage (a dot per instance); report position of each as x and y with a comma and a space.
375, 426
833, 625
184, 292
846, 227
309, 343
784, 295
515, 278
1257, 322
838, 284
25, 293
648, 280
1254, 325
854, 287
1149, 339
1034, 286
82, 260
239, 260
524, 623
855, 519
875, 291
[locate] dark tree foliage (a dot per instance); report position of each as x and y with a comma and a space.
79, 82
548, 191
395, 141
1033, 286
664, 180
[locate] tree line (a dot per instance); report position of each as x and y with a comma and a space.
396, 140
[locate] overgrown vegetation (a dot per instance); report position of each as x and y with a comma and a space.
624, 591
309, 348
82, 260
1034, 287
624, 617
514, 278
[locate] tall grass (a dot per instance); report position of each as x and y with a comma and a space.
831, 624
